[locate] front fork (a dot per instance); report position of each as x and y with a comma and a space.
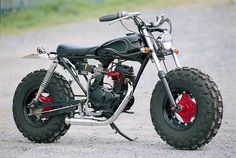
162, 76
161, 73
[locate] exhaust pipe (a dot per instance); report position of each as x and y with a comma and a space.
98, 122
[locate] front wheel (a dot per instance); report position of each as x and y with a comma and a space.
200, 113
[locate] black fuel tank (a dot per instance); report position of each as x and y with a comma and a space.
125, 47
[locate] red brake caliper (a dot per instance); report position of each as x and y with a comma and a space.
47, 99
188, 108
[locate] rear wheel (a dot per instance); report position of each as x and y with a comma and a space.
200, 109
40, 128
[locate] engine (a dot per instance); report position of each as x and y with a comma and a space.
107, 98
104, 99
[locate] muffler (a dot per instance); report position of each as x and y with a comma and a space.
93, 121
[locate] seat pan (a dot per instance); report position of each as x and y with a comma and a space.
69, 49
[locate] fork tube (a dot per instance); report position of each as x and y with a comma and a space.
161, 73
150, 45
176, 60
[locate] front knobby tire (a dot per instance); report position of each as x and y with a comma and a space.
207, 118
36, 130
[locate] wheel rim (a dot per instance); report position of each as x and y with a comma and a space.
187, 110
37, 120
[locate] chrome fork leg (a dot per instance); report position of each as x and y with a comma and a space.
176, 60
46, 79
162, 76
161, 73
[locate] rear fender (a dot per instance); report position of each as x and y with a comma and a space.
35, 56
42, 54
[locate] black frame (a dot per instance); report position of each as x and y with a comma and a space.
67, 66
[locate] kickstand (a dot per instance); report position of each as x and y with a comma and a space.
113, 126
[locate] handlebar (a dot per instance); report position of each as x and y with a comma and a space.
159, 22
156, 26
116, 17
110, 17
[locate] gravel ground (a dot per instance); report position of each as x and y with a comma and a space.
206, 38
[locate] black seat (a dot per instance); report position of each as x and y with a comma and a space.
65, 50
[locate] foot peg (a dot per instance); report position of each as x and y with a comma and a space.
114, 127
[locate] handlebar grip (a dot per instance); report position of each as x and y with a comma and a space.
109, 17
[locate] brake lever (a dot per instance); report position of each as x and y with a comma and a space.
160, 20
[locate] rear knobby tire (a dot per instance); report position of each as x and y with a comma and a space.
209, 104
55, 127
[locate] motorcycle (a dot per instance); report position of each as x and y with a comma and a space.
186, 106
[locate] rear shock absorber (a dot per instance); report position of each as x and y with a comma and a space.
46, 79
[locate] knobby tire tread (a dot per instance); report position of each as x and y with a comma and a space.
64, 92
210, 95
